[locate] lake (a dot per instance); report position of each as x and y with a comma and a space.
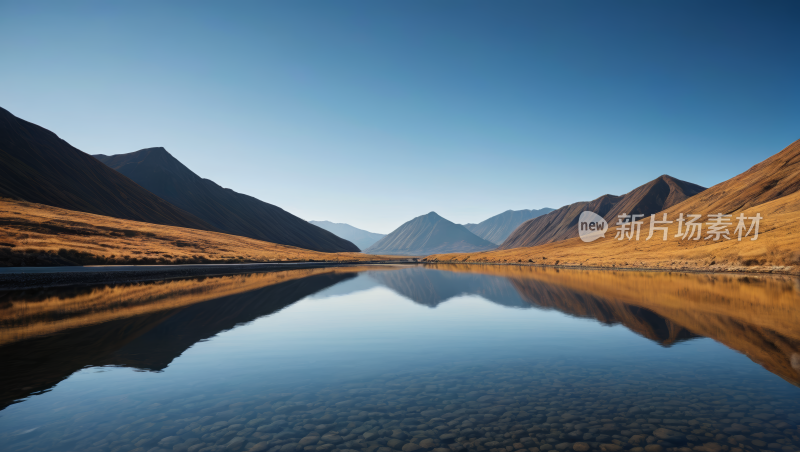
406, 358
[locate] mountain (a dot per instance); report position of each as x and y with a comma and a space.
652, 197
429, 234
772, 179
361, 238
37, 166
769, 190
226, 210
557, 224
497, 228
37, 235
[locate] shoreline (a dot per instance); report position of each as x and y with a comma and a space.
50, 277
773, 270
27, 278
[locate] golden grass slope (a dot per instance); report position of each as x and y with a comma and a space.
36, 234
769, 189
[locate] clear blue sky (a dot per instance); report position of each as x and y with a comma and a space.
374, 112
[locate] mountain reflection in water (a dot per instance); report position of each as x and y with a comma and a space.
46, 336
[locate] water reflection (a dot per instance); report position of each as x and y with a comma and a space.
482, 358
431, 288
47, 336
757, 316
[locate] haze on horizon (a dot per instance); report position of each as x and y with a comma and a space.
374, 113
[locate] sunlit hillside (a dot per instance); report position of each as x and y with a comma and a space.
35, 234
769, 189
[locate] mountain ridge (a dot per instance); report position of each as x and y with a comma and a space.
429, 233
769, 190
158, 171
496, 229
39, 167
360, 237
659, 194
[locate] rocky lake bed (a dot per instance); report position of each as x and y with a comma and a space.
538, 408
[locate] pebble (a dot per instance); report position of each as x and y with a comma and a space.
427, 443
518, 408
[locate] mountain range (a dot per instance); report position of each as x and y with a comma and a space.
769, 190
497, 228
37, 166
361, 238
429, 234
561, 224
226, 210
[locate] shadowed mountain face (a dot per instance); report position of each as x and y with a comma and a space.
429, 234
654, 196
556, 224
228, 211
149, 341
497, 228
561, 224
38, 166
361, 238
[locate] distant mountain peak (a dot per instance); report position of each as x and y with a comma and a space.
429, 234
154, 150
497, 228
361, 238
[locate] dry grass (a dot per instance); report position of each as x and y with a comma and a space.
776, 250
35, 235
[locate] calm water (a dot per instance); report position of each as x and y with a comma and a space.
384, 359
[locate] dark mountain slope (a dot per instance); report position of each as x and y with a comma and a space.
361, 238
235, 213
556, 224
497, 228
428, 234
38, 166
652, 197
